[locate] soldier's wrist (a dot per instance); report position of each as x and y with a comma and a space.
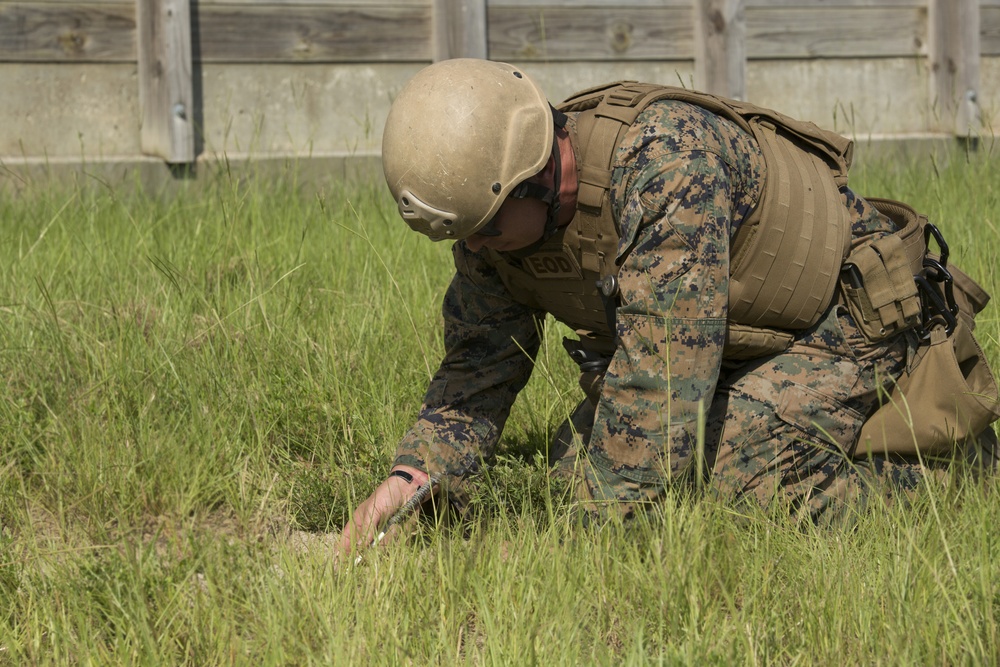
409, 474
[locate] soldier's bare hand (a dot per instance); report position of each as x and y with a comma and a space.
390, 495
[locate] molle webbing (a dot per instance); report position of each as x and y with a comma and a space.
553, 279
597, 140
786, 258
879, 286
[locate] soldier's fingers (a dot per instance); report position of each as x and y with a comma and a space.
373, 513
400, 530
360, 529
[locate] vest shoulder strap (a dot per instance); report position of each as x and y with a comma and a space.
615, 106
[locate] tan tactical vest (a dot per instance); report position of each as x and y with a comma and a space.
784, 261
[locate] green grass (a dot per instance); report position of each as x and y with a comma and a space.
195, 390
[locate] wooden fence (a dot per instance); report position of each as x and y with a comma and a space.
168, 45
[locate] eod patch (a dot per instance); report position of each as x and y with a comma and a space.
553, 264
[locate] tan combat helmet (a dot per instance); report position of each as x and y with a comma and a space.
461, 135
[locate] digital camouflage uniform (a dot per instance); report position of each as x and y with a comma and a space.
775, 428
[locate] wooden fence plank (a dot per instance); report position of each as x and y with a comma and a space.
720, 47
659, 4
818, 4
591, 4
459, 29
81, 32
857, 32
401, 31
323, 3
684, 3
40, 32
590, 33
71, 3
166, 100
953, 58
989, 30
245, 3
358, 33
631, 33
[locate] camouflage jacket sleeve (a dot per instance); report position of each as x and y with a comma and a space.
490, 345
683, 180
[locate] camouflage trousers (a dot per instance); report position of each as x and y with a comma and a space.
779, 429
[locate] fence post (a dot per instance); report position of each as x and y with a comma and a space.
953, 59
459, 29
165, 89
720, 47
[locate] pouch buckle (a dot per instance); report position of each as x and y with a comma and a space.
588, 360
936, 287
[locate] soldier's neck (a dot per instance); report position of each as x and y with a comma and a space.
569, 184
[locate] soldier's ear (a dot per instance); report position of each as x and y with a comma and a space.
546, 176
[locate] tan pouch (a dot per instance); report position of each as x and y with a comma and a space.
745, 342
948, 396
878, 285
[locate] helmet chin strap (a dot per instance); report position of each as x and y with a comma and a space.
548, 196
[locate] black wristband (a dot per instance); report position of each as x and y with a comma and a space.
403, 474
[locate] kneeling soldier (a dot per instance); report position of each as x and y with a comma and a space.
741, 313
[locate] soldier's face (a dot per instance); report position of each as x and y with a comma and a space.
520, 222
